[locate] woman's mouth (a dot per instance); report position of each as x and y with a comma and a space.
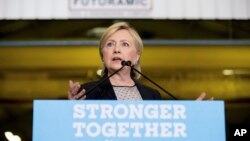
116, 59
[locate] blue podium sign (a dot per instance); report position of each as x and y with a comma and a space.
105, 120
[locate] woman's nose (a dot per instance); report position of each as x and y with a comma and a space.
117, 49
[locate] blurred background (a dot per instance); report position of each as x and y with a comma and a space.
190, 46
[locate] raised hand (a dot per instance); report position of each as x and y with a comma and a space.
73, 92
202, 97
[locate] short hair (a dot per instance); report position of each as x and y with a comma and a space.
137, 41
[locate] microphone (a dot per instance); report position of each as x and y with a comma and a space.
128, 63
124, 63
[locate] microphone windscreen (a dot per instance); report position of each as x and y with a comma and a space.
128, 63
124, 63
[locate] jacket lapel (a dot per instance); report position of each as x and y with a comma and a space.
107, 90
142, 91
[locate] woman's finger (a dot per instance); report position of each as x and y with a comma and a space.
80, 95
202, 96
84, 97
70, 83
75, 88
70, 95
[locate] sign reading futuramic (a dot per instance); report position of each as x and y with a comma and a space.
73, 120
124, 9
110, 4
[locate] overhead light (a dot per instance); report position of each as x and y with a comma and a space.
96, 32
11, 137
228, 72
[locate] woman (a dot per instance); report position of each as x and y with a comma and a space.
119, 42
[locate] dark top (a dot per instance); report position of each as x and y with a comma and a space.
105, 91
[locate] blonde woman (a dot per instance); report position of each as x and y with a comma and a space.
119, 42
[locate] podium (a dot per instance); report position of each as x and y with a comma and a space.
107, 120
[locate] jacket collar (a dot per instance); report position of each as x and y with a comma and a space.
109, 91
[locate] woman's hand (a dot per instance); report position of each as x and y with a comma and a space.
202, 97
73, 91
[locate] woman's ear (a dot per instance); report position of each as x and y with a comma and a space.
136, 59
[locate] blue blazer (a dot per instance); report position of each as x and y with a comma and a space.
105, 91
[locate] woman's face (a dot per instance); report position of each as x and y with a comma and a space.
118, 47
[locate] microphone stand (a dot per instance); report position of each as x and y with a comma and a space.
103, 80
128, 63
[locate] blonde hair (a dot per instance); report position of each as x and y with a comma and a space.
137, 41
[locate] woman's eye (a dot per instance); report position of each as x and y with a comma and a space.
110, 44
125, 44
